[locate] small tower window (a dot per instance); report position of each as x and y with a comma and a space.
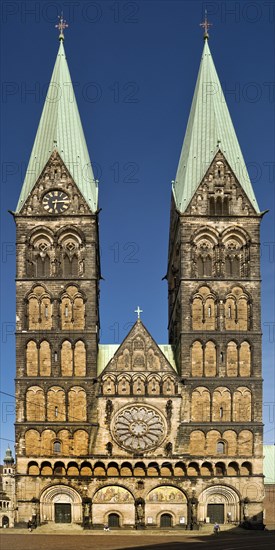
46, 312
221, 356
221, 412
209, 311
220, 447
55, 356
57, 447
66, 310
229, 312
56, 412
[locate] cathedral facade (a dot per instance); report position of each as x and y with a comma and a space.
139, 435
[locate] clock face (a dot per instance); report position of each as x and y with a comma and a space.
56, 202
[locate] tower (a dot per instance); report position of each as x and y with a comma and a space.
214, 298
57, 291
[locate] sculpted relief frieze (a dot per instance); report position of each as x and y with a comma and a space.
136, 358
112, 494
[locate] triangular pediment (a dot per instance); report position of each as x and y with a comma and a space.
139, 353
220, 182
55, 177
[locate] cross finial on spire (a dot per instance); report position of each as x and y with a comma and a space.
206, 26
138, 311
61, 26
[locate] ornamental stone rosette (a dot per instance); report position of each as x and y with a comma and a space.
138, 428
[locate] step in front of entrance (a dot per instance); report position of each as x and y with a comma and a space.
57, 527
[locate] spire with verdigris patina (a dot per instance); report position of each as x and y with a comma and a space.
209, 130
60, 130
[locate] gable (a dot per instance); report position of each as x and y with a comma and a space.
54, 177
220, 192
139, 353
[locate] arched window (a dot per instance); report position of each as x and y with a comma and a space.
212, 209
56, 404
221, 405
35, 404
80, 359
77, 406
210, 361
66, 358
236, 253
32, 359
232, 258
218, 206
232, 359
237, 310
242, 405
245, 359
57, 447
203, 255
45, 358
197, 359
72, 309
200, 405
72, 260
39, 309
39, 254
203, 310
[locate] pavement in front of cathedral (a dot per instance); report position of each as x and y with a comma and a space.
228, 540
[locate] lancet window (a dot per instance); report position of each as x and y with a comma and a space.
72, 309
72, 256
39, 309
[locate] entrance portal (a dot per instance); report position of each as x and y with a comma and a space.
216, 513
166, 520
62, 513
113, 520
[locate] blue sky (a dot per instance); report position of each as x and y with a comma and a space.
134, 66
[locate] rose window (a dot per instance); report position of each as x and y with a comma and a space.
138, 428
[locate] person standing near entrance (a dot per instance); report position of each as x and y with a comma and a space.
29, 525
216, 528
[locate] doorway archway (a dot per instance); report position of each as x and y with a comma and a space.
113, 520
61, 504
217, 502
166, 520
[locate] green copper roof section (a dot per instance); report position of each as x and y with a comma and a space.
60, 129
209, 129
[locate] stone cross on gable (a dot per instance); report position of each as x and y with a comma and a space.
138, 311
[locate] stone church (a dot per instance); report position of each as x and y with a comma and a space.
139, 435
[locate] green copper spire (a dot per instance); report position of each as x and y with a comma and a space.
60, 129
8, 457
209, 130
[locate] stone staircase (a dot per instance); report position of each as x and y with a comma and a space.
55, 528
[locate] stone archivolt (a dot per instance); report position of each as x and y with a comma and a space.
138, 428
